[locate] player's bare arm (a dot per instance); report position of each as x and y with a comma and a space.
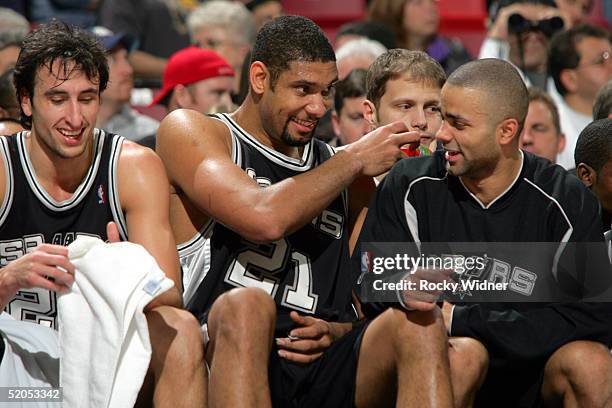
144, 195
187, 140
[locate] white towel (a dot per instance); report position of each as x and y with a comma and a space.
31, 359
103, 335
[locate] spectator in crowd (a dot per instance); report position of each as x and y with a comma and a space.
415, 23
576, 10
82, 13
197, 79
580, 64
115, 114
9, 106
541, 133
347, 115
520, 33
602, 108
228, 28
358, 53
158, 25
264, 11
366, 29
13, 27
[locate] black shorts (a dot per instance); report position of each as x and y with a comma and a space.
518, 387
328, 381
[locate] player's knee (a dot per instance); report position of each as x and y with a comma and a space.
242, 312
175, 336
419, 327
469, 361
586, 367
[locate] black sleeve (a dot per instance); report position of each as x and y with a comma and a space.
385, 222
537, 330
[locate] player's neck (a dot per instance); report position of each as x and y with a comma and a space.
497, 181
247, 116
579, 104
60, 177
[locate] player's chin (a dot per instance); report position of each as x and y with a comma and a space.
298, 140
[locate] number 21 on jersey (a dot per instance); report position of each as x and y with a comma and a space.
259, 266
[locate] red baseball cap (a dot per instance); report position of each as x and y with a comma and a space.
189, 65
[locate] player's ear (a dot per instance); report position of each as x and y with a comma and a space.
26, 104
507, 131
561, 142
568, 79
335, 122
369, 113
259, 77
182, 96
586, 174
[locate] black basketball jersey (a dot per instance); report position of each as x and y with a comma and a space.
303, 271
420, 202
30, 217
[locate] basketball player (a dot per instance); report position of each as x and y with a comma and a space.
482, 188
64, 178
262, 212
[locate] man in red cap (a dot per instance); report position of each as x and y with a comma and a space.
197, 79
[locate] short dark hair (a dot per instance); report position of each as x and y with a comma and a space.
594, 145
563, 50
397, 62
501, 82
603, 102
75, 48
373, 30
353, 86
536, 94
287, 39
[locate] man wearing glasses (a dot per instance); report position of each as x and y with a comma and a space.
579, 63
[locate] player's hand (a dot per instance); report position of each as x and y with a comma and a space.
112, 232
421, 297
308, 342
378, 150
45, 267
447, 314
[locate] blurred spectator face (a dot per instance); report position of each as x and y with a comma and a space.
120, 78
421, 17
539, 135
576, 10
534, 43
415, 103
8, 57
346, 65
204, 96
350, 125
267, 11
594, 68
225, 43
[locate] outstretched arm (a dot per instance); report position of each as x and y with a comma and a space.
197, 154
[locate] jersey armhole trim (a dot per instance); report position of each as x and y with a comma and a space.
114, 201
